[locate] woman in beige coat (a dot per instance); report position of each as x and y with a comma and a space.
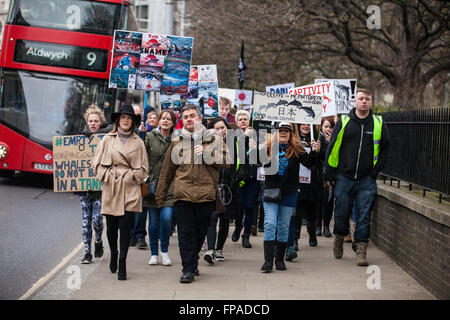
121, 164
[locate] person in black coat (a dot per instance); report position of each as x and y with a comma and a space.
325, 210
249, 185
280, 191
229, 200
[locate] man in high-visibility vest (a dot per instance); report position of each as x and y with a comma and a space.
356, 153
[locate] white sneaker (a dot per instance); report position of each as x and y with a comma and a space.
209, 256
219, 255
165, 259
153, 260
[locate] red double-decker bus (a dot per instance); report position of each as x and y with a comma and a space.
55, 61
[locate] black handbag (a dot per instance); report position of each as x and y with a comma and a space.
149, 189
274, 194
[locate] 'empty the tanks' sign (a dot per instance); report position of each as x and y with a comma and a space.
73, 167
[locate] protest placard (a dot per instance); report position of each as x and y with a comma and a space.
304, 175
344, 93
150, 62
291, 108
280, 88
243, 99
208, 88
325, 89
73, 168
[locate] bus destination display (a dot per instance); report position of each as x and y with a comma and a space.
60, 55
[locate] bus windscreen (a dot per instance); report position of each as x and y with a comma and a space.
72, 15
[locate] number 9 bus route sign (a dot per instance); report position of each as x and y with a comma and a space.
73, 167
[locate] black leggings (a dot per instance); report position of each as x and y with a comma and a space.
325, 210
308, 210
123, 224
224, 226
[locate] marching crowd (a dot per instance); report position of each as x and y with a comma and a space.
187, 176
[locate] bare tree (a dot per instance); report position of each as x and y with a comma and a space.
298, 40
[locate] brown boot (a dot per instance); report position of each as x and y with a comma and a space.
361, 254
338, 246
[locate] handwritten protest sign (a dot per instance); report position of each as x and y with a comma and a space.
325, 89
344, 94
73, 168
291, 108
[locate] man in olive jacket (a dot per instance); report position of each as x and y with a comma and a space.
192, 163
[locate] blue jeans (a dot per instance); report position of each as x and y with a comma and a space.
159, 226
363, 193
276, 221
138, 228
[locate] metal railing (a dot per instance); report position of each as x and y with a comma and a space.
420, 149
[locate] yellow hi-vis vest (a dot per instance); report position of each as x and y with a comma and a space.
333, 159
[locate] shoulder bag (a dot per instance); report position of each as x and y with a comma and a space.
274, 194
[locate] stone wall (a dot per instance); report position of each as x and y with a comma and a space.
414, 232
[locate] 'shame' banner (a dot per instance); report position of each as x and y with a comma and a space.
291, 108
73, 168
151, 62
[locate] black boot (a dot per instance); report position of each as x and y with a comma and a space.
98, 253
122, 275
246, 241
297, 236
311, 227
279, 257
237, 231
113, 262
268, 256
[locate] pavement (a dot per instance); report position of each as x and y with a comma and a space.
314, 275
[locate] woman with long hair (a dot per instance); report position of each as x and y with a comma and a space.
157, 142
280, 191
121, 164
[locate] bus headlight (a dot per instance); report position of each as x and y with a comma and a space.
3, 151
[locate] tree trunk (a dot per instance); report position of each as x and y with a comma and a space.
409, 95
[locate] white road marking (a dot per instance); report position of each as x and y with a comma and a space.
45, 278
